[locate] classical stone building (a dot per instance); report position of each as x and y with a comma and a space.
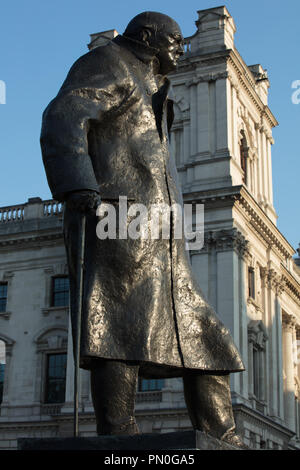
221, 140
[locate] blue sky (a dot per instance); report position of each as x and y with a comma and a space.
39, 41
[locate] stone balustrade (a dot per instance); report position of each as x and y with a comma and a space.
34, 208
12, 213
52, 208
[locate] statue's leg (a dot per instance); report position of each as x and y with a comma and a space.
208, 399
113, 386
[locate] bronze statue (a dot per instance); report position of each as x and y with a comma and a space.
106, 135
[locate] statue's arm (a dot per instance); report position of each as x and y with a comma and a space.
89, 92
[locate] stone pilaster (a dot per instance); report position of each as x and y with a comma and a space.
272, 287
289, 386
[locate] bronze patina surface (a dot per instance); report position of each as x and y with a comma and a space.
106, 135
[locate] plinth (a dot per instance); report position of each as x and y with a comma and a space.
191, 440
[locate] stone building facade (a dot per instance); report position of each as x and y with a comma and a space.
221, 140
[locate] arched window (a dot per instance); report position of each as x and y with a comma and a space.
243, 155
51, 365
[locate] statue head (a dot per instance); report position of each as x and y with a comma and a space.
160, 32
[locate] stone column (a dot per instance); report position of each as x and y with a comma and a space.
200, 266
186, 142
221, 118
243, 263
273, 338
203, 118
269, 163
259, 164
289, 389
250, 369
263, 167
265, 320
229, 247
212, 116
279, 351
272, 322
193, 120
230, 137
255, 181
234, 131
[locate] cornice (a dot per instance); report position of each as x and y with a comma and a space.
190, 61
240, 197
262, 420
29, 241
228, 192
291, 284
263, 225
248, 83
225, 240
244, 76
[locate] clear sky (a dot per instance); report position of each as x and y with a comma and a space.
39, 41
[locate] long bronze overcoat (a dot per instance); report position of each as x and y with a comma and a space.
107, 131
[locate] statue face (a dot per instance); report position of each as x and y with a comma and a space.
170, 45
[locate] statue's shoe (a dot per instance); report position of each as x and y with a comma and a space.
118, 427
235, 440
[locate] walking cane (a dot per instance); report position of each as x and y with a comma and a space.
79, 287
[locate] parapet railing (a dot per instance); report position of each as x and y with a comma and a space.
188, 44
34, 208
52, 207
12, 213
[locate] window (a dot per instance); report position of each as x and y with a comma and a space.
251, 283
56, 378
256, 370
60, 291
262, 443
257, 337
150, 385
3, 296
244, 155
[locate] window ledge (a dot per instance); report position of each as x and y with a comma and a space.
5, 315
47, 311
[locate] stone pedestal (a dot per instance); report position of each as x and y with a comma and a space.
185, 440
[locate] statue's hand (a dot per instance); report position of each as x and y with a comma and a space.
83, 201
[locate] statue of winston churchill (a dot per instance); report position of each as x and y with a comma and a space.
106, 135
